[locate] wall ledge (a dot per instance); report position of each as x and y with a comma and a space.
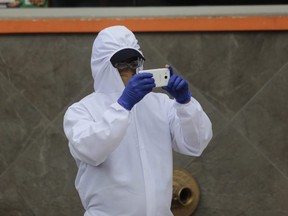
144, 19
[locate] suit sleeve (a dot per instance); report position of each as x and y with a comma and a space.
92, 141
191, 129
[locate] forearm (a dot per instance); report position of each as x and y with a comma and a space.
192, 129
92, 141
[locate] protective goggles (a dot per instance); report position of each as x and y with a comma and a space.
133, 64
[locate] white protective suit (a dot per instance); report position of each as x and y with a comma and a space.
125, 157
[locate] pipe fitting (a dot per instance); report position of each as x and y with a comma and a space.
186, 193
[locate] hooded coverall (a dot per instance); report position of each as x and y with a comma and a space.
124, 157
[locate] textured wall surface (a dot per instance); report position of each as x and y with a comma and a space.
240, 78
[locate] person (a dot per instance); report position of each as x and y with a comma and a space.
122, 135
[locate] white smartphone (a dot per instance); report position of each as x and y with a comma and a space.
160, 75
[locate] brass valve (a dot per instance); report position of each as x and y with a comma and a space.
186, 193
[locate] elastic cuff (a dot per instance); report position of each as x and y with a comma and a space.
185, 100
125, 106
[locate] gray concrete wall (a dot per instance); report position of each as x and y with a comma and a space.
240, 78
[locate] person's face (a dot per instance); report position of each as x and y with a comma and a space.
128, 68
126, 74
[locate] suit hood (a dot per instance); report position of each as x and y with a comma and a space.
109, 41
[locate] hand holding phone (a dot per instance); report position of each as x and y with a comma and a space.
178, 88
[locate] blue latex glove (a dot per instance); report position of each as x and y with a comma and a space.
137, 87
178, 88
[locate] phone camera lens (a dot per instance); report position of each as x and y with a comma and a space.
165, 77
